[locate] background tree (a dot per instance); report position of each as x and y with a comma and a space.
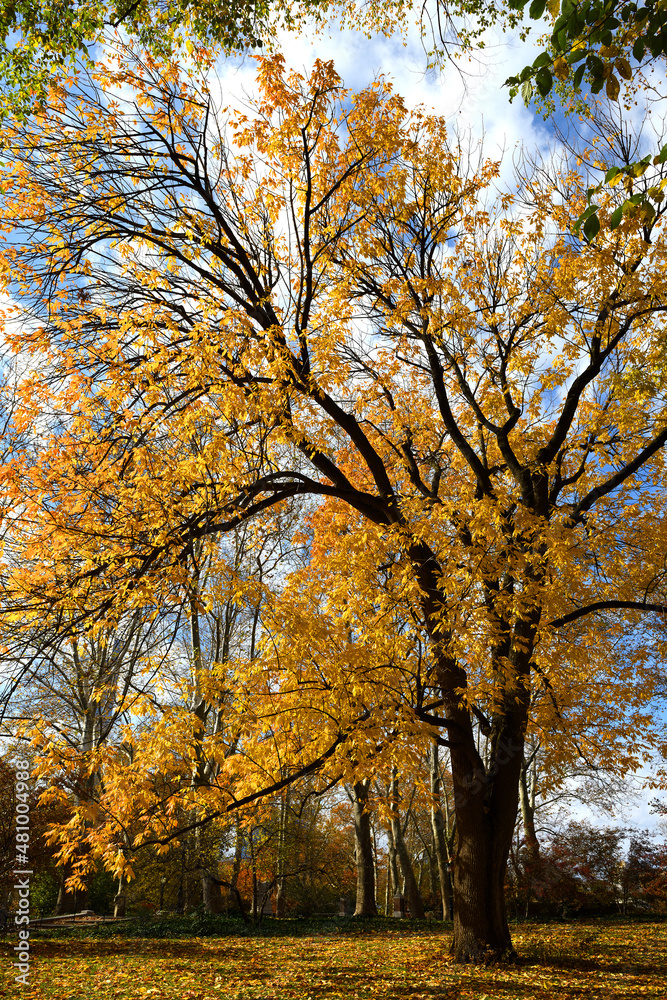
644, 874
443, 834
596, 45
366, 904
40, 40
584, 867
399, 848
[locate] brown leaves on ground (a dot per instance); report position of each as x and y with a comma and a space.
575, 962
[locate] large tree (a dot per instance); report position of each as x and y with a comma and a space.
472, 399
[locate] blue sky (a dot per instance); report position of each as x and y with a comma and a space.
469, 92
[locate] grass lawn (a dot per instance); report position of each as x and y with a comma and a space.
578, 961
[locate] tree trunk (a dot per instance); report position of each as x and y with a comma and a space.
281, 881
183, 896
450, 828
211, 896
65, 901
486, 792
532, 844
434, 887
253, 869
438, 830
393, 862
363, 843
232, 898
411, 887
527, 800
281, 897
388, 892
486, 801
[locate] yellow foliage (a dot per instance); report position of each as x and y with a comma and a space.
318, 311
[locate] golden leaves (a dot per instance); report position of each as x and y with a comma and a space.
334, 314
561, 68
612, 87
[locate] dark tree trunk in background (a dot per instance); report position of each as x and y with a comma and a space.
65, 902
532, 844
281, 881
411, 887
439, 832
527, 800
363, 843
211, 894
393, 864
232, 899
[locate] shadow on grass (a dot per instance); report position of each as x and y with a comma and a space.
206, 925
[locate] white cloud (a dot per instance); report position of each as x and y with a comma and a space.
467, 92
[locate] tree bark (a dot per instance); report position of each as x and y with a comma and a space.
388, 892
281, 881
411, 887
211, 896
65, 902
438, 830
486, 801
363, 842
532, 844
232, 890
486, 794
527, 800
393, 862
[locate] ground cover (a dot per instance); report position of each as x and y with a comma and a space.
577, 961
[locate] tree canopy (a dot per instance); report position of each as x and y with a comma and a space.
40, 40
321, 305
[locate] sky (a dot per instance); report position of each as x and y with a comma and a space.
470, 92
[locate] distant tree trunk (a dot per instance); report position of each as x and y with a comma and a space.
363, 843
254, 912
531, 843
211, 895
65, 901
120, 899
182, 898
388, 892
411, 887
281, 897
527, 801
376, 869
281, 882
393, 862
232, 899
439, 831
434, 886
210, 890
